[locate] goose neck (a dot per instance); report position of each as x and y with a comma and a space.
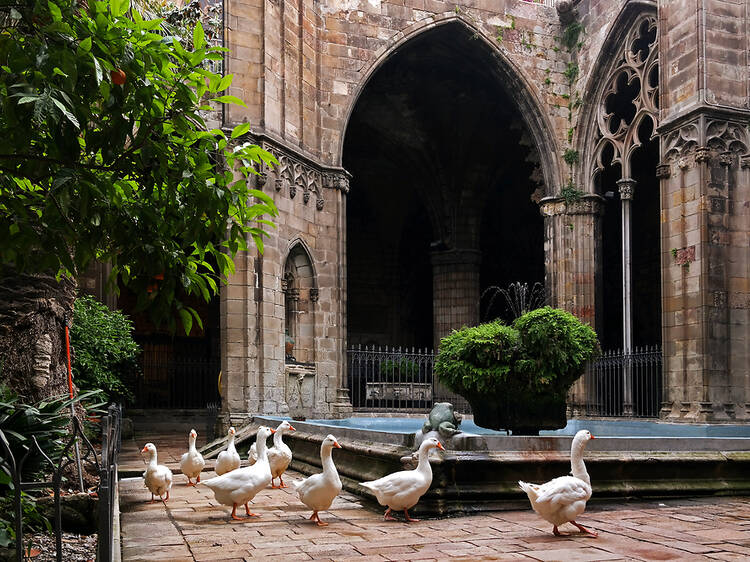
326, 458
577, 466
260, 447
191, 446
277, 438
424, 460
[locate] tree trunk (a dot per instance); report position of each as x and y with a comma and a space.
33, 309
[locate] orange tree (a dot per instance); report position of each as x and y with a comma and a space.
105, 155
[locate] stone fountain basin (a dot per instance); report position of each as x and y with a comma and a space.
481, 472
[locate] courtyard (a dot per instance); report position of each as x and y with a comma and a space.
192, 526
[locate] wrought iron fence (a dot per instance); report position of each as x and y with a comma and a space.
107, 471
622, 384
396, 379
173, 379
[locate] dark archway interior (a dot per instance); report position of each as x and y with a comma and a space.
440, 159
646, 243
645, 249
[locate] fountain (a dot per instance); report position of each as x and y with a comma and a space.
481, 469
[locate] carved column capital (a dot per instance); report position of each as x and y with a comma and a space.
745, 161
260, 179
663, 171
725, 158
702, 154
626, 187
314, 294
587, 205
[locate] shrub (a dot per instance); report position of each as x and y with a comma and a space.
555, 346
105, 353
403, 370
477, 360
542, 352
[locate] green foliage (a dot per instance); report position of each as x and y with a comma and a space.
570, 35
33, 517
105, 154
542, 352
106, 356
571, 156
555, 346
47, 420
477, 359
571, 193
571, 72
403, 370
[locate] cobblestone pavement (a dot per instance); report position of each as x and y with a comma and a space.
192, 526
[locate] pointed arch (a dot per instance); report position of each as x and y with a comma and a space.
531, 109
300, 288
616, 61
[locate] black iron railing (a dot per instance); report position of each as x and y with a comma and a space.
396, 379
622, 384
172, 378
106, 469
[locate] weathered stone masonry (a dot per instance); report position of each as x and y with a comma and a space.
301, 66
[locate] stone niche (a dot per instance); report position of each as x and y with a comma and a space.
299, 389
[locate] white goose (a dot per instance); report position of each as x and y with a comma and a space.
229, 459
319, 490
563, 499
157, 478
402, 490
192, 462
279, 456
239, 486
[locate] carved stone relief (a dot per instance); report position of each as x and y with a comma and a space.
294, 175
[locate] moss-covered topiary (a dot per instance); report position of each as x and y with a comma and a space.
517, 377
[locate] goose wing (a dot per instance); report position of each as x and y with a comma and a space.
563, 490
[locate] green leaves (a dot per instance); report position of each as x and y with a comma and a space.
545, 350
104, 155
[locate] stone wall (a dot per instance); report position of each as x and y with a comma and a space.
301, 65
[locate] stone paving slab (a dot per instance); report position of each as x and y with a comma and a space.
192, 526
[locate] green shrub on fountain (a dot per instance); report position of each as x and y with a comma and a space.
517, 377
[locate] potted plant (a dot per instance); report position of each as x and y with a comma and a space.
517, 377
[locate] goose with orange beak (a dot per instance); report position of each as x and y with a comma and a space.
402, 490
319, 490
157, 478
563, 499
241, 485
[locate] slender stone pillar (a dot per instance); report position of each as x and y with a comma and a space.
626, 187
455, 290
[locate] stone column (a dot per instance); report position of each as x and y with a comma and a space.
455, 290
572, 253
626, 187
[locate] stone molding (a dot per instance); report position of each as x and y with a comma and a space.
296, 173
456, 256
626, 188
704, 139
589, 204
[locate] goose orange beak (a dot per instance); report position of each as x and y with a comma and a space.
291, 427
336, 444
592, 437
144, 450
272, 430
440, 446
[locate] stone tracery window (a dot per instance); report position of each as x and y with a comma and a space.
631, 96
